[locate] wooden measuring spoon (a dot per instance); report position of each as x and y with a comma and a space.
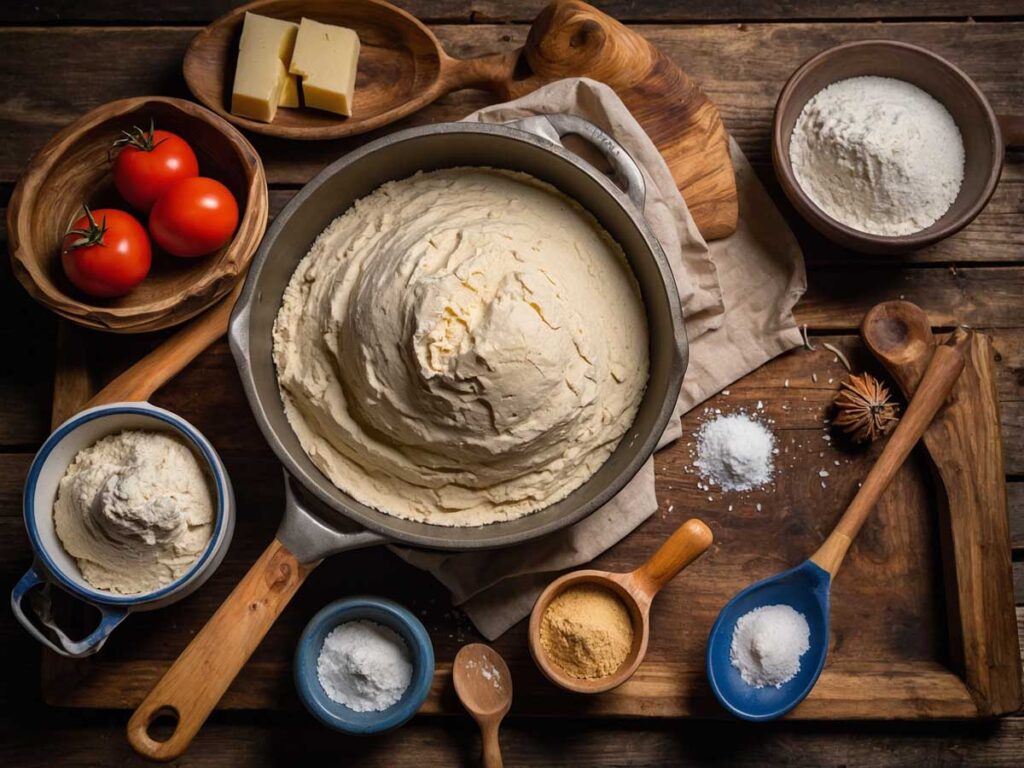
899, 335
484, 686
636, 589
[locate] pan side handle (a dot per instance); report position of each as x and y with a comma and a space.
194, 684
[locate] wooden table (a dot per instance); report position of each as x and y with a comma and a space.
59, 58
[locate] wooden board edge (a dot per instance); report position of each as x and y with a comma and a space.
855, 691
976, 548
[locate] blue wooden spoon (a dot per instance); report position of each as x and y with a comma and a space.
806, 587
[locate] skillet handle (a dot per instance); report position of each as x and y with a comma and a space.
625, 171
194, 684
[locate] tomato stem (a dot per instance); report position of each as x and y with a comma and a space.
139, 139
91, 236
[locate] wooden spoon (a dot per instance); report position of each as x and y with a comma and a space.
170, 357
636, 589
484, 686
806, 587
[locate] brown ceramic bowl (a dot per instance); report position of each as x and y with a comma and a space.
970, 109
74, 168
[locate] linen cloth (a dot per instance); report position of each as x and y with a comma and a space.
737, 296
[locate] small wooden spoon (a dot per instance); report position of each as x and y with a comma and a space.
636, 589
484, 686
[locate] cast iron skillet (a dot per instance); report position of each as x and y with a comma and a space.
320, 519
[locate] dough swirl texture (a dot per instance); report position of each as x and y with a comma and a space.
462, 347
135, 510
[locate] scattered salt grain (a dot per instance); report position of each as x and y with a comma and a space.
767, 644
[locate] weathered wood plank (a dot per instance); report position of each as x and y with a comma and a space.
982, 297
81, 740
795, 514
469, 11
742, 67
1015, 506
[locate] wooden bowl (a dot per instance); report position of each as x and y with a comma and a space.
946, 83
402, 67
74, 168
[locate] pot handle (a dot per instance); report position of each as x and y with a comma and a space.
88, 645
625, 171
195, 683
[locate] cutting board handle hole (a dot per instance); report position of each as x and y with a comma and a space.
163, 725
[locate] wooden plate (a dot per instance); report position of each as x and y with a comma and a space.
402, 67
74, 168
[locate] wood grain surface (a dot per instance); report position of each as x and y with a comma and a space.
117, 51
796, 514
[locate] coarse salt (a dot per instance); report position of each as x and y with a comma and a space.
767, 644
735, 452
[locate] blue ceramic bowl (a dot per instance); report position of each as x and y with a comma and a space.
386, 613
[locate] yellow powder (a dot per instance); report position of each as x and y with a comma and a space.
586, 631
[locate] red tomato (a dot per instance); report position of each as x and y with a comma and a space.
106, 253
194, 217
149, 163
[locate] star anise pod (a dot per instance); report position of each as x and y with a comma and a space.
864, 409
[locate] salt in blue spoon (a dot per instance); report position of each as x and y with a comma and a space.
806, 587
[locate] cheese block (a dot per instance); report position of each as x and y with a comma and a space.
326, 57
261, 74
290, 92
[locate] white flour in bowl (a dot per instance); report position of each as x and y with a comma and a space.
879, 155
364, 665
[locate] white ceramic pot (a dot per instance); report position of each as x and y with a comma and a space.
54, 565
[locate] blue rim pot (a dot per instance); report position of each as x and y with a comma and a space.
54, 566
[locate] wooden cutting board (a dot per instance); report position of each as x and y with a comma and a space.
572, 39
966, 450
895, 652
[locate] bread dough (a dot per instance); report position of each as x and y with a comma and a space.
135, 510
462, 347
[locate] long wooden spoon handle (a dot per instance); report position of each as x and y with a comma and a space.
938, 381
689, 541
166, 361
194, 684
491, 748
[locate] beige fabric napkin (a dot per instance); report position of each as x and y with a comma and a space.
738, 295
